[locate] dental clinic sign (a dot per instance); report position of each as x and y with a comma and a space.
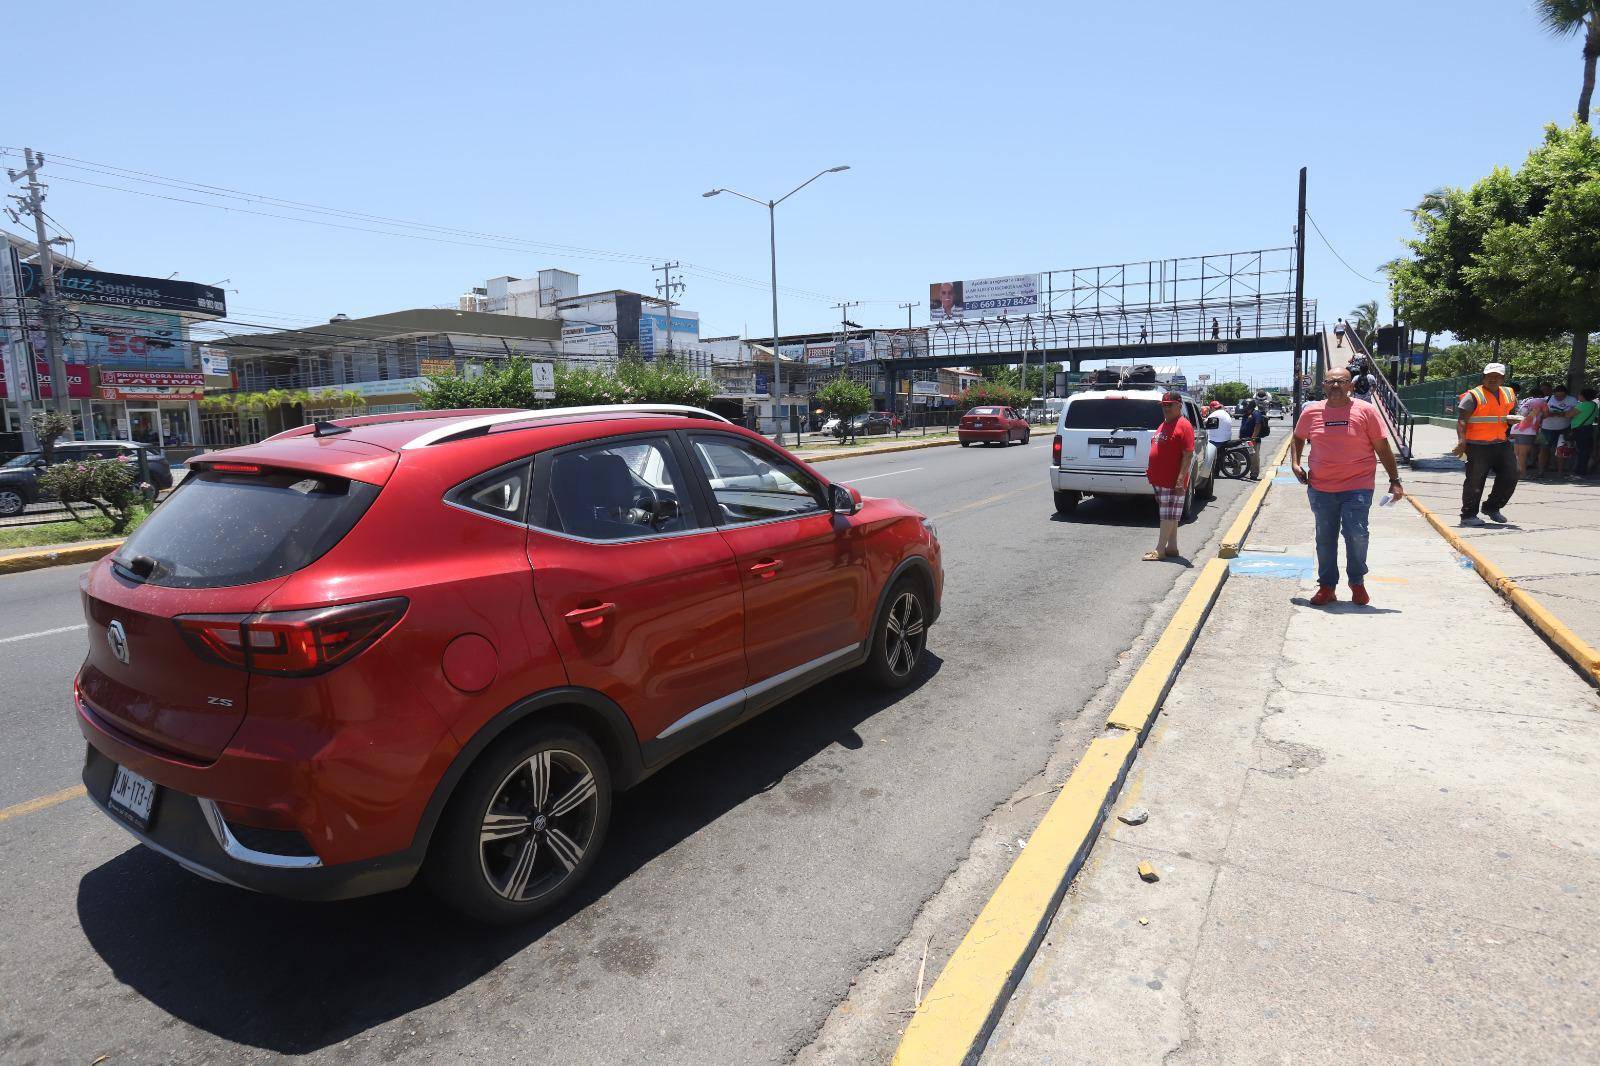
128, 290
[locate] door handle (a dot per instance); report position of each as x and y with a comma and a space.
591, 618
767, 568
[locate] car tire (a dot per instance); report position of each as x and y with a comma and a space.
1067, 501
1188, 504
895, 655
12, 503
966, 444
516, 875
1027, 436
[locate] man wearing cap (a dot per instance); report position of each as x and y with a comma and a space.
1482, 417
1222, 432
1171, 445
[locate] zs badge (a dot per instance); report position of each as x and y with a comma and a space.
218, 701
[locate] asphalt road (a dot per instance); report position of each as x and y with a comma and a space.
742, 889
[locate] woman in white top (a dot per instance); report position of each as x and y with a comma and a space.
1525, 434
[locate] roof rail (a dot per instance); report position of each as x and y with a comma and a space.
484, 423
358, 421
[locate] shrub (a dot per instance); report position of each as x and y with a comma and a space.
107, 485
47, 426
844, 398
994, 394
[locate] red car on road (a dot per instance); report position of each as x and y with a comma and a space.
438, 642
992, 425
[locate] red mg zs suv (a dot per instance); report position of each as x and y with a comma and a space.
436, 642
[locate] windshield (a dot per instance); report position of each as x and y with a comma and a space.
25, 459
984, 411
1112, 413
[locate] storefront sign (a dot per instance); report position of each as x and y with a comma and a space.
392, 387
434, 367
77, 381
161, 378
144, 338
214, 362
129, 290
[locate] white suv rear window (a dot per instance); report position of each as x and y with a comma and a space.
1112, 413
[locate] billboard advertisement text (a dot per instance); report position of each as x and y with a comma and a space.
950, 301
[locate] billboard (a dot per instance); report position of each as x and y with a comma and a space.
128, 290
653, 332
952, 301
138, 338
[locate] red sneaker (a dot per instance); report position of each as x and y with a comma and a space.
1325, 595
1358, 595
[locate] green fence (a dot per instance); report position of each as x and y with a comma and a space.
1437, 398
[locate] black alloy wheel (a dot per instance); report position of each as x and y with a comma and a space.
901, 636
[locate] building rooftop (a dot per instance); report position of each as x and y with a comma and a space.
420, 321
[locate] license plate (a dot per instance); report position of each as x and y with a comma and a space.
132, 797
1111, 451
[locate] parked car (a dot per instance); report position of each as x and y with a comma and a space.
437, 643
19, 477
992, 425
1102, 447
869, 424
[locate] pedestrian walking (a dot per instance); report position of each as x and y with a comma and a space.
1482, 438
1347, 441
1585, 424
1168, 471
1144, 334
1338, 333
1525, 434
1363, 380
1251, 429
1238, 328
1216, 330
1557, 423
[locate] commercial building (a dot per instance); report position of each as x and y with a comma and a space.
133, 371
383, 358
595, 325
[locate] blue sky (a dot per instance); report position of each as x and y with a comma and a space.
983, 140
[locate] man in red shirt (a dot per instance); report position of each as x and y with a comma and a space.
1346, 438
1170, 448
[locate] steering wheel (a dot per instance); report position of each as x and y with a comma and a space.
646, 499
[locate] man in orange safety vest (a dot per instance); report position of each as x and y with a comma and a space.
1482, 418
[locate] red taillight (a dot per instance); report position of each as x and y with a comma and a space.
236, 468
1055, 450
295, 643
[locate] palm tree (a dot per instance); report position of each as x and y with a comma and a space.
1568, 18
1364, 317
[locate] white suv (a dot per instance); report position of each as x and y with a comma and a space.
1102, 447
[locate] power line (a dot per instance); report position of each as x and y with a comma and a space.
1336, 254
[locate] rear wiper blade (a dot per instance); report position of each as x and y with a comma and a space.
140, 566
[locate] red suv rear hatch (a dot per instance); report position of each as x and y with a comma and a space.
222, 542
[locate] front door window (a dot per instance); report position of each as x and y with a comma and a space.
144, 426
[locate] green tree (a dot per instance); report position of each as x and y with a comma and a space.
1228, 392
1528, 361
104, 484
1364, 317
844, 397
1516, 256
994, 394
48, 424
1569, 18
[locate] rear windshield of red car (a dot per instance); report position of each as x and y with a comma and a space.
221, 529
984, 411
1112, 413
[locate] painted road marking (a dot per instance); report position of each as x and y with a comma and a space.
45, 633
29, 806
983, 502
1293, 567
891, 473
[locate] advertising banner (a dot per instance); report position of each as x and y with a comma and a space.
653, 332
214, 362
149, 393
139, 337
77, 381
128, 290
950, 301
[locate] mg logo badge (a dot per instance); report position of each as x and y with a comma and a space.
117, 637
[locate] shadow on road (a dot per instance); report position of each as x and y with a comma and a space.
1135, 511
294, 977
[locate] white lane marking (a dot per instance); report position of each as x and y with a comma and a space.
45, 633
891, 473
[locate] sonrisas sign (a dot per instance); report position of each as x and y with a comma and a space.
129, 290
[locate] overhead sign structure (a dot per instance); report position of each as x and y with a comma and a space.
129, 290
953, 301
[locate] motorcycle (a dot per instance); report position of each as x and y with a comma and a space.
1233, 459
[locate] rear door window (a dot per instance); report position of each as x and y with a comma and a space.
1112, 414
220, 529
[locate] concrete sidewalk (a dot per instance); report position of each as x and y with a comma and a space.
1549, 546
1376, 829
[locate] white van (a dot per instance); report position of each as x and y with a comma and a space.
1102, 447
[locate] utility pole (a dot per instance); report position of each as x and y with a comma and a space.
666, 287
1299, 295
33, 204
908, 308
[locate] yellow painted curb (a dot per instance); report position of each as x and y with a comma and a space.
1576, 650
1140, 701
911, 447
62, 556
1233, 539
965, 1003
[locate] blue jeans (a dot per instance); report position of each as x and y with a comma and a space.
1335, 513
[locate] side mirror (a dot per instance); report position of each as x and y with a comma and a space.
842, 499
39, 464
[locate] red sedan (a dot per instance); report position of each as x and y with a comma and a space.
992, 425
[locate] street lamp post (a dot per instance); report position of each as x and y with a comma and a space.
772, 234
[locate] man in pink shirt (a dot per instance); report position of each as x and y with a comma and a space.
1346, 438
